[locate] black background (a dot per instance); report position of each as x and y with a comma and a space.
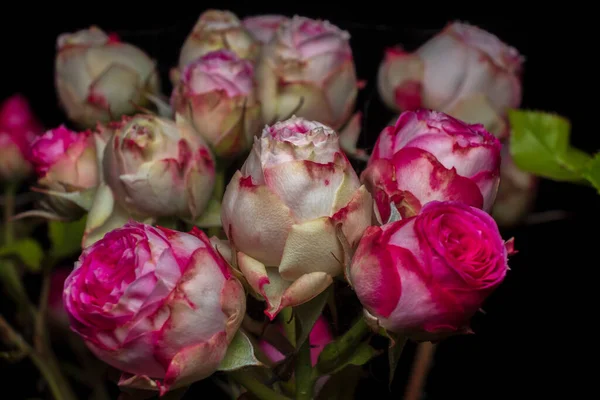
535, 326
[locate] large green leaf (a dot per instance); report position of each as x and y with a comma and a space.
240, 353
540, 144
592, 172
27, 250
65, 237
360, 355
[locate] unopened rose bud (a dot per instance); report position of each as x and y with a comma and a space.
99, 78
463, 71
307, 70
427, 156
158, 167
217, 93
263, 27
18, 128
281, 212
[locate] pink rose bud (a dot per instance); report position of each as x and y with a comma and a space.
65, 162
18, 128
281, 209
159, 167
463, 71
263, 27
428, 156
157, 304
217, 92
307, 69
216, 30
99, 78
427, 275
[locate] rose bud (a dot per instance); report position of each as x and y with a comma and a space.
463, 71
67, 167
307, 69
217, 93
18, 128
216, 30
281, 210
427, 275
263, 27
160, 305
159, 168
516, 193
429, 156
99, 78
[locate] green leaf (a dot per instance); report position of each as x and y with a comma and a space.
394, 354
362, 354
540, 144
65, 237
341, 386
240, 353
28, 250
307, 314
592, 172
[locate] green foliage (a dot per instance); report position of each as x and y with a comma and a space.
240, 353
65, 237
27, 250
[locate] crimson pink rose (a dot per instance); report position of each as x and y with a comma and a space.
427, 275
428, 156
160, 305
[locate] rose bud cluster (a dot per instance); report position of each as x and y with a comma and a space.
429, 156
217, 93
263, 27
18, 128
463, 71
307, 69
216, 30
427, 275
158, 167
281, 210
160, 305
99, 78
67, 167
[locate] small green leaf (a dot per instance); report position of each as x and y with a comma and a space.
394, 354
307, 314
240, 353
592, 172
540, 144
360, 356
28, 250
342, 385
65, 237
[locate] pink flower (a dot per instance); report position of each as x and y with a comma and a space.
307, 69
463, 71
18, 128
160, 305
217, 93
427, 275
99, 78
280, 212
263, 27
429, 156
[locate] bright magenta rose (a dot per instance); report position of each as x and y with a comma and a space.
281, 209
307, 69
263, 27
427, 275
217, 92
430, 156
18, 128
157, 304
463, 71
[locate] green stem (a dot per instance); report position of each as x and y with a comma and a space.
342, 347
218, 191
304, 373
9, 209
258, 389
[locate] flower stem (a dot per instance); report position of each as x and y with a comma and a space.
258, 389
305, 381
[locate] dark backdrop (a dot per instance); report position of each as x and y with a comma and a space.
536, 318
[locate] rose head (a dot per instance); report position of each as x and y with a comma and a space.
307, 69
157, 167
430, 156
155, 303
216, 30
463, 71
263, 27
281, 209
217, 93
99, 78
18, 128
427, 275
